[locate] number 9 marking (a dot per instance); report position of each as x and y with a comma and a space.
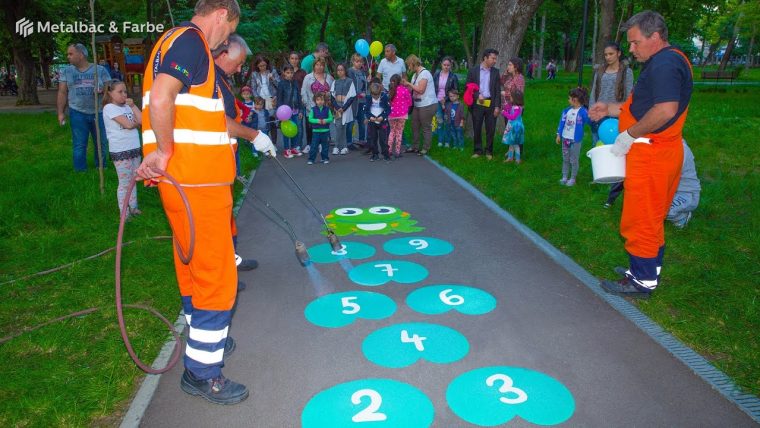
370, 413
419, 244
506, 387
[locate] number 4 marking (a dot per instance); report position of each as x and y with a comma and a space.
388, 268
351, 307
370, 413
416, 339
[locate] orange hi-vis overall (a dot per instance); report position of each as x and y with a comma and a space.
652, 173
203, 162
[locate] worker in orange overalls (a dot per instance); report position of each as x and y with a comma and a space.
228, 60
651, 121
185, 134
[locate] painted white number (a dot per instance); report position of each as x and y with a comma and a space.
370, 414
341, 252
506, 387
351, 307
417, 340
450, 299
419, 244
388, 268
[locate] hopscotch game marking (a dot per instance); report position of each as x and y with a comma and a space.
487, 396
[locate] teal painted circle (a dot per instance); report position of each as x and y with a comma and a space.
383, 403
402, 345
323, 253
418, 245
383, 271
493, 396
438, 299
341, 309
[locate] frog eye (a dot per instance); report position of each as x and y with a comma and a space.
382, 210
348, 212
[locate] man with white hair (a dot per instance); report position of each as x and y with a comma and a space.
77, 91
390, 65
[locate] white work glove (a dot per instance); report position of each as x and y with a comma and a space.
623, 144
263, 143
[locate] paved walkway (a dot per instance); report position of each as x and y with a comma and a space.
461, 323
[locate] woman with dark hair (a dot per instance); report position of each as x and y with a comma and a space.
511, 81
263, 84
444, 80
612, 83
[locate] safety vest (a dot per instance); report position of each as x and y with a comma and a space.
203, 154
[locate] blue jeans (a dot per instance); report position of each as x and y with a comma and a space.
293, 142
318, 138
82, 127
456, 135
441, 132
362, 132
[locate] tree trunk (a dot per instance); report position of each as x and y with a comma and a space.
22, 54
750, 58
702, 52
540, 67
325, 19
606, 29
475, 36
731, 44
711, 52
533, 51
45, 59
463, 36
504, 25
575, 61
625, 13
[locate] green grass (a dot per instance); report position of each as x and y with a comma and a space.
76, 372
709, 295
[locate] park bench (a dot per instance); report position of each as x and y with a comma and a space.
716, 75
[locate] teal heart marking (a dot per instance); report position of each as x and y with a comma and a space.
402, 345
493, 396
323, 253
438, 299
341, 309
383, 403
418, 244
381, 272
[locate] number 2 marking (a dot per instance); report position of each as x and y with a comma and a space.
506, 387
419, 244
416, 339
370, 413
388, 268
351, 307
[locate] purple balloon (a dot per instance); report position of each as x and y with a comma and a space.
284, 112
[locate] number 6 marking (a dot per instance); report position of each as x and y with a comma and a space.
370, 413
388, 268
507, 387
419, 244
451, 300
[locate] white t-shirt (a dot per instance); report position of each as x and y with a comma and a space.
388, 69
376, 109
429, 96
120, 139
568, 132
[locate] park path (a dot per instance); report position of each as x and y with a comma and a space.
464, 322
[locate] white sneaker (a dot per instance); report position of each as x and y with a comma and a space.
306, 149
440, 144
336, 151
344, 151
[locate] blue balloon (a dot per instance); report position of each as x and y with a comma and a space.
362, 47
608, 130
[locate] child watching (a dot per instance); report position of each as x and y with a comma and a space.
343, 95
247, 95
121, 118
400, 101
570, 133
258, 118
377, 110
289, 95
320, 118
514, 132
453, 119
358, 74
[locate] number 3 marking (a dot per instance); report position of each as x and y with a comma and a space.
370, 413
419, 244
388, 268
341, 252
506, 387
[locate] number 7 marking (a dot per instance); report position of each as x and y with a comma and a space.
388, 268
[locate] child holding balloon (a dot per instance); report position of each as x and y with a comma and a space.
570, 134
289, 107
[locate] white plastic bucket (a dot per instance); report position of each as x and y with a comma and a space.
607, 167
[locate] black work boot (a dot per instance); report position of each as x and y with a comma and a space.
625, 288
219, 390
245, 264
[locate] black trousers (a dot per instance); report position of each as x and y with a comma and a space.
482, 114
377, 137
615, 190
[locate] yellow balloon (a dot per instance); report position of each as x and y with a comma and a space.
375, 48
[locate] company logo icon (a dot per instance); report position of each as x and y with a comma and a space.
24, 27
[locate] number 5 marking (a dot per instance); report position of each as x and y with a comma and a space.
351, 307
370, 413
388, 268
419, 244
507, 387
